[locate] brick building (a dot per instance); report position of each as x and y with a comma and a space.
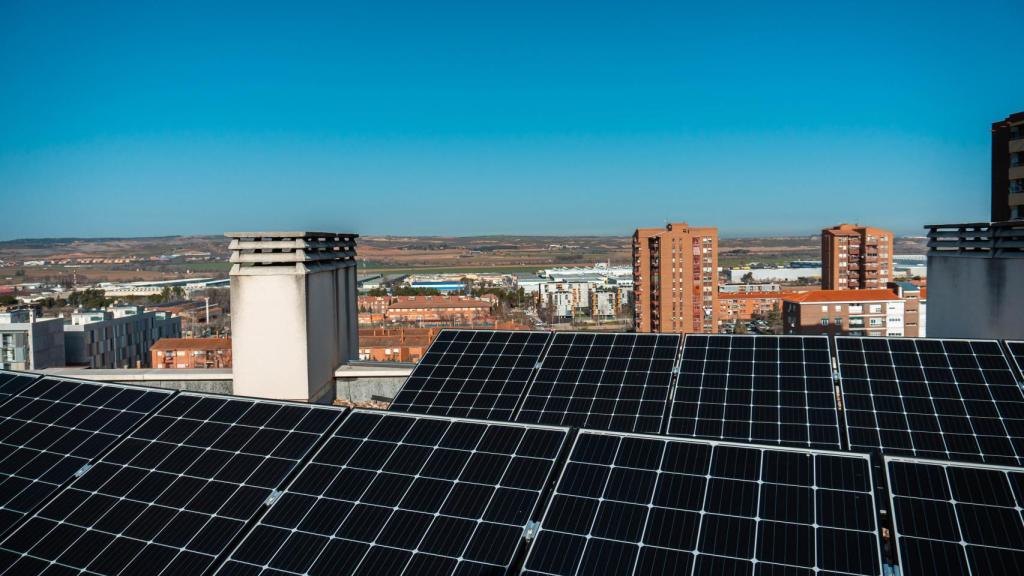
191, 353
675, 279
898, 310
1008, 168
855, 257
743, 306
395, 344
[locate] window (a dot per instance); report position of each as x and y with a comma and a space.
824, 321
875, 308
839, 321
824, 308
839, 308
876, 322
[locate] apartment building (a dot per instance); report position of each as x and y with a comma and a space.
675, 279
898, 310
855, 257
119, 337
395, 344
1008, 168
30, 343
744, 306
438, 310
191, 353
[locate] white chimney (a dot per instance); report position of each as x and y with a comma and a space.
294, 317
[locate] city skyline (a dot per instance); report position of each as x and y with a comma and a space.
754, 119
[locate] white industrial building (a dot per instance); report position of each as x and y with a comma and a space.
30, 343
762, 275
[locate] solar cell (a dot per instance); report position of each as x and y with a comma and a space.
52, 428
170, 497
628, 504
401, 494
931, 398
472, 374
762, 389
616, 382
1016, 349
952, 518
13, 382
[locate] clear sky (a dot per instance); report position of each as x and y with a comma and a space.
459, 118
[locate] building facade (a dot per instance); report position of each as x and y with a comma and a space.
191, 353
675, 279
899, 310
743, 306
855, 257
1008, 168
120, 337
30, 343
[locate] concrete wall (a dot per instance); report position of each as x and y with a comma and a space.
975, 297
364, 389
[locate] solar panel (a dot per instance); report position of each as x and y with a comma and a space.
629, 504
952, 518
616, 382
1016, 349
170, 497
931, 398
52, 428
400, 494
12, 382
762, 389
472, 374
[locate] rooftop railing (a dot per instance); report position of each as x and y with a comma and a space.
978, 240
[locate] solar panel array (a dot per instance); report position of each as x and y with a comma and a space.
170, 497
649, 505
472, 374
111, 479
51, 428
396, 494
929, 398
957, 518
615, 382
766, 389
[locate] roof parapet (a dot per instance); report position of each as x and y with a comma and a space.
977, 240
303, 251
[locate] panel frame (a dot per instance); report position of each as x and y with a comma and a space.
567, 459
526, 385
1014, 360
897, 535
540, 508
830, 351
672, 383
882, 450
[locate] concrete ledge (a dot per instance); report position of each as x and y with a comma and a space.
395, 370
142, 374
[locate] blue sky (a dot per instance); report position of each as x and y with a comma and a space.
145, 118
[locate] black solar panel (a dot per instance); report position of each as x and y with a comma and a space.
957, 518
170, 498
472, 374
656, 505
52, 428
762, 389
616, 382
930, 398
12, 382
400, 494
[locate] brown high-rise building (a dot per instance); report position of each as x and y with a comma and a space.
855, 257
675, 279
1008, 168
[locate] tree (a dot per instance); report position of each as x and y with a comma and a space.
748, 278
89, 298
8, 300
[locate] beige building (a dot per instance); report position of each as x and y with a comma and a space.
675, 279
855, 257
899, 310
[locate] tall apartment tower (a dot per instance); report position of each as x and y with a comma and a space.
1008, 168
675, 279
855, 257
